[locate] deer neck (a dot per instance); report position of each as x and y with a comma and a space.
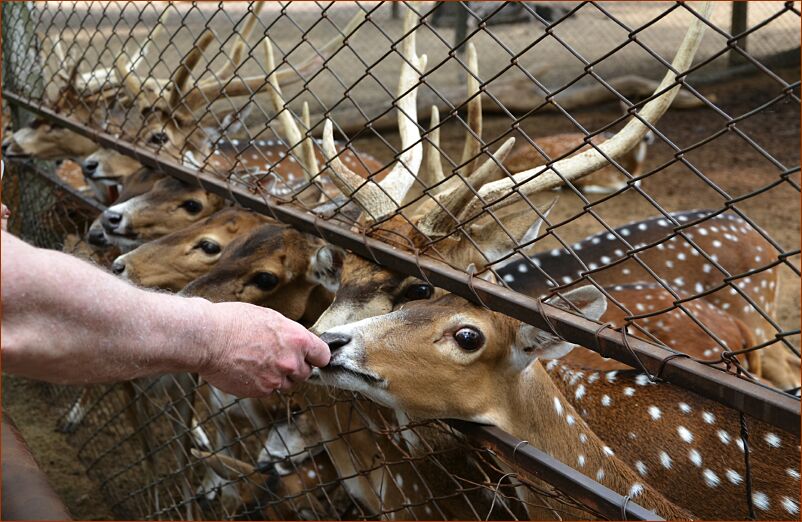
536, 411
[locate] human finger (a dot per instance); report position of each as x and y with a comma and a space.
317, 352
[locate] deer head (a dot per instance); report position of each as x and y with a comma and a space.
170, 204
173, 261
274, 266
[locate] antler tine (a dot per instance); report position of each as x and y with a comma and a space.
403, 174
157, 32
292, 134
286, 76
473, 135
227, 69
307, 147
439, 222
182, 75
369, 195
129, 79
543, 178
432, 172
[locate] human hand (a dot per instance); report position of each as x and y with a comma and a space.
256, 350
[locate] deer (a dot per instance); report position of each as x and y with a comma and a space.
369, 290
480, 366
724, 245
91, 98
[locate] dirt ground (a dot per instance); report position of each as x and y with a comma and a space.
36, 410
730, 162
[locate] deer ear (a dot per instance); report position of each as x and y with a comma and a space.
533, 343
588, 299
326, 266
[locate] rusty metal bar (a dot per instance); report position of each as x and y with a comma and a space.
543, 466
760, 402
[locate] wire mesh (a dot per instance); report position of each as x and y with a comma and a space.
690, 245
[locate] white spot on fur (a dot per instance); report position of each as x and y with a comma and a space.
794, 474
558, 407
580, 392
684, 408
733, 476
654, 412
711, 479
599, 475
695, 457
606, 400
665, 460
636, 489
685, 434
581, 461
708, 417
790, 505
641, 467
629, 391
724, 437
772, 440
583, 438
761, 500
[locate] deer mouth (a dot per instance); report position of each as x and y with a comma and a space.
339, 374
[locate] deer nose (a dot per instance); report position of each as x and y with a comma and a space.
335, 340
96, 237
118, 267
89, 167
111, 219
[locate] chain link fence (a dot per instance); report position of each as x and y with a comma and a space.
502, 152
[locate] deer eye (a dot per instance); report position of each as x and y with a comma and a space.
265, 281
469, 339
208, 246
192, 206
159, 138
418, 292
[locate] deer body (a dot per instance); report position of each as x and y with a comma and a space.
673, 436
727, 239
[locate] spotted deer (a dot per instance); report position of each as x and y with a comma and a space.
667, 449
370, 290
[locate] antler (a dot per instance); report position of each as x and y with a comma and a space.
439, 221
227, 70
208, 91
382, 199
544, 178
292, 133
184, 72
473, 135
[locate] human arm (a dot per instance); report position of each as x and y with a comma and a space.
66, 321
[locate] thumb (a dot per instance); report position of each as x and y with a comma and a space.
317, 352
